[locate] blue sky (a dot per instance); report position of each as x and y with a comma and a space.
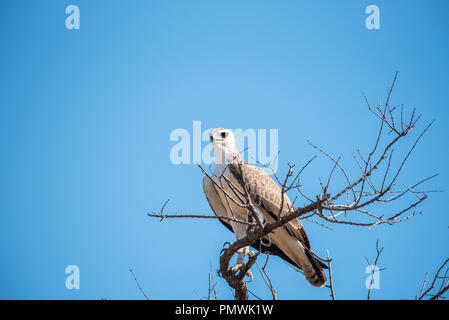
86, 117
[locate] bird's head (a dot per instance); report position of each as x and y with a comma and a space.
222, 139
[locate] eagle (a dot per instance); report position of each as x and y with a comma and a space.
232, 181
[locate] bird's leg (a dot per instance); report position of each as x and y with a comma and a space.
240, 232
241, 253
225, 246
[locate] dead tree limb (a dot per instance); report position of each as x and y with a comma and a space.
266, 278
374, 268
443, 277
138, 284
331, 283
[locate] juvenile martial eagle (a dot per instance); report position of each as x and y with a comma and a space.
290, 241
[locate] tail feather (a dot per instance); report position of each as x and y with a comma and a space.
314, 270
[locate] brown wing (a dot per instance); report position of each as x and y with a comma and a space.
264, 190
217, 207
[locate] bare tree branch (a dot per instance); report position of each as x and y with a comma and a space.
212, 284
163, 216
444, 286
331, 283
374, 267
266, 278
138, 284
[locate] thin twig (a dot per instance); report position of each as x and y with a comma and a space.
331, 284
138, 284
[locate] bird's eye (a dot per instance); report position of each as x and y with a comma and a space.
223, 134
211, 139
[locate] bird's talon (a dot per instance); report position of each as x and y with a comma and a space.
250, 275
225, 246
236, 267
227, 243
239, 266
251, 254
